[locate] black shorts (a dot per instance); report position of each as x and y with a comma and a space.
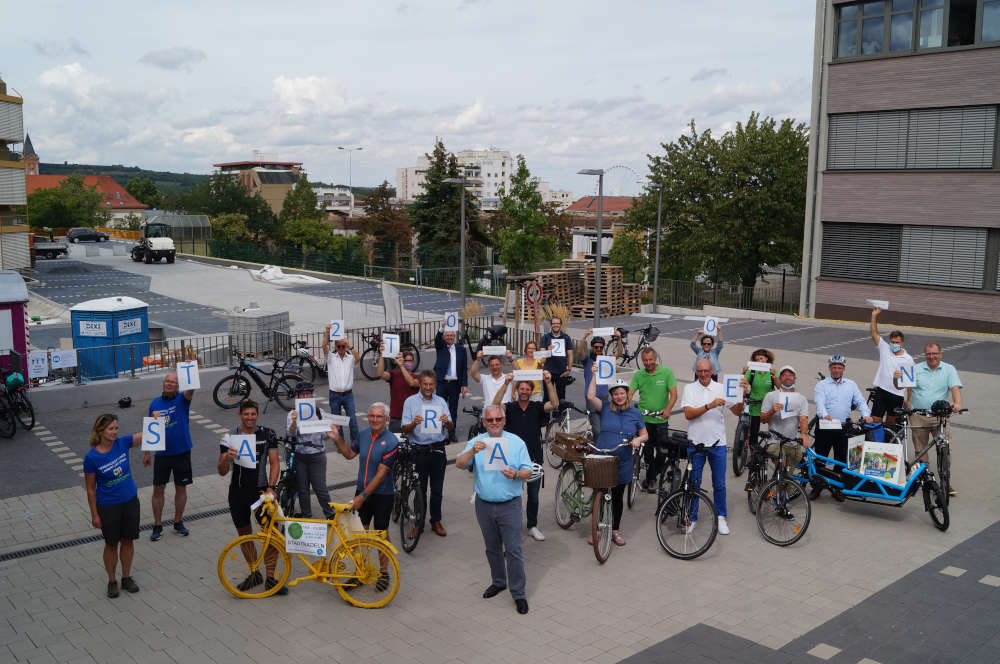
119, 521
178, 464
240, 500
884, 402
379, 507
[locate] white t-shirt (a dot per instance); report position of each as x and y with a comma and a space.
710, 428
340, 371
887, 365
785, 423
490, 387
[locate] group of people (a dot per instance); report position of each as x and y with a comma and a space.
515, 410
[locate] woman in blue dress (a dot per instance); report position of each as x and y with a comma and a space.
619, 422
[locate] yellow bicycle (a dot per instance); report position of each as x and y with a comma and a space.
362, 567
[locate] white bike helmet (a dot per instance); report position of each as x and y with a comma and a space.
619, 382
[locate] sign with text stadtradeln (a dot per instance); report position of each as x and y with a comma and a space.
306, 538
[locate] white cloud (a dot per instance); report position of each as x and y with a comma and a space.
468, 118
175, 58
73, 82
706, 73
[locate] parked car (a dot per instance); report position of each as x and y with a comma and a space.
50, 248
85, 234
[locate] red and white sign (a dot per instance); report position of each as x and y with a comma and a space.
534, 293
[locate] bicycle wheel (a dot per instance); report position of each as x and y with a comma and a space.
756, 479
740, 449
367, 572
936, 505
612, 348
551, 458
633, 486
369, 363
230, 391
286, 498
600, 525
410, 348
302, 367
674, 524
25, 413
783, 512
813, 427
411, 511
944, 472
284, 390
244, 562
568, 491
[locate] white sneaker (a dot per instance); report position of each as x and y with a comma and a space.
723, 526
688, 529
537, 534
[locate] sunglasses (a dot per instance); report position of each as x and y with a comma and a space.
493, 420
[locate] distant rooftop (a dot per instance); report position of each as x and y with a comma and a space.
252, 164
588, 204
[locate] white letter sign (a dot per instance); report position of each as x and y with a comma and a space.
451, 321
543, 354
759, 366
604, 369
881, 304
390, 345
187, 376
558, 348
154, 434
734, 393
494, 350
432, 421
337, 330
908, 377
527, 374
606, 332
305, 410
496, 454
711, 326
246, 448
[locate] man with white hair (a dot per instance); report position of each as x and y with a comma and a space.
376, 452
498, 501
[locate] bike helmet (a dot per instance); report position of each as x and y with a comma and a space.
940, 408
598, 340
619, 382
125, 402
837, 358
304, 386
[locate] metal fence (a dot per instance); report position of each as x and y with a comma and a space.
774, 292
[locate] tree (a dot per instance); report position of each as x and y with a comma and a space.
144, 191
300, 202
308, 234
522, 239
230, 227
559, 226
730, 205
72, 203
435, 215
387, 228
628, 250
223, 194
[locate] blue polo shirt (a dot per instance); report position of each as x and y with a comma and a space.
416, 405
556, 365
178, 431
114, 474
491, 485
933, 385
373, 451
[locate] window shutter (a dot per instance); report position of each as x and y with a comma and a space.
860, 251
943, 256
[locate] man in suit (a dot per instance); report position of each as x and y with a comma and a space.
451, 368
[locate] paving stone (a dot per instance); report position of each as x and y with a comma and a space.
990, 580
953, 571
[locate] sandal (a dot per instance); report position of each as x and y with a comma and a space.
618, 539
383, 582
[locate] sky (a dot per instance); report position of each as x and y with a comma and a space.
180, 86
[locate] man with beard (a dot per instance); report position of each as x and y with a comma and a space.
174, 407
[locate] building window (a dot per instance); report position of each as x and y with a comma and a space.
860, 251
896, 26
991, 21
901, 25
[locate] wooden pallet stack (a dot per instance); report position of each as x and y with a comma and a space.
574, 286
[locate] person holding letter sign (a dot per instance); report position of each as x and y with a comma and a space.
528, 362
340, 375
426, 424
493, 381
888, 395
113, 497
835, 397
706, 348
173, 406
310, 451
561, 365
451, 371
786, 412
402, 385
596, 348
498, 502
251, 453
756, 384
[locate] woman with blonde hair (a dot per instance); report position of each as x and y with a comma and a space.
113, 497
529, 362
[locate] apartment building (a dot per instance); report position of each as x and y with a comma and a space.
271, 179
903, 198
14, 252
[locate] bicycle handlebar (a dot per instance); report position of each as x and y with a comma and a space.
473, 410
568, 405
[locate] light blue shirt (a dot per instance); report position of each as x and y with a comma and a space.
414, 406
491, 485
933, 385
837, 398
712, 355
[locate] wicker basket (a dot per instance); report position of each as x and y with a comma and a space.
564, 447
600, 471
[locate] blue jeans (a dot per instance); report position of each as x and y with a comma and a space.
717, 462
345, 401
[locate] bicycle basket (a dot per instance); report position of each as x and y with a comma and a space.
14, 381
564, 446
653, 333
600, 471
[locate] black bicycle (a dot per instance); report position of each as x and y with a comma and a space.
287, 488
783, 509
370, 358
484, 336
303, 361
756, 467
16, 393
741, 439
677, 527
408, 506
8, 425
647, 335
477, 428
235, 387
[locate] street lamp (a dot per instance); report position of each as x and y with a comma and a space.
656, 267
599, 172
464, 182
350, 187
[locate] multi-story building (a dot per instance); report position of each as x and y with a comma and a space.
561, 197
14, 253
903, 193
272, 179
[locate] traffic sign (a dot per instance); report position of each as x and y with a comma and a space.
534, 293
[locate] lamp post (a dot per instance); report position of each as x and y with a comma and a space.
350, 187
463, 182
656, 266
599, 172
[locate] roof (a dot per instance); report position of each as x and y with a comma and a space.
115, 196
251, 164
277, 177
12, 288
120, 303
611, 204
29, 149
180, 220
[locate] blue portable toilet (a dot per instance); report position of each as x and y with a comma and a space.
111, 334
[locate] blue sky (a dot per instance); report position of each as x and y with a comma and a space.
180, 86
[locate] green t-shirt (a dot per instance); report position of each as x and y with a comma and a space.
760, 385
654, 390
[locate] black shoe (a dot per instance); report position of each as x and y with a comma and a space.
272, 582
253, 580
814, 494
493, 591
129, 585
522, 605
112, 589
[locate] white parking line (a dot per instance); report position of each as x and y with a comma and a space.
839, 343
770, 334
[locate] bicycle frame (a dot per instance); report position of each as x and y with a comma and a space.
863, 488
255, 373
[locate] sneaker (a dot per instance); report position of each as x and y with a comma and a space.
156, 534
383, 582
181, 529
272, 582
253, 580
689, 528
536, 534
112, 589
723, 526
952, 493
129, 585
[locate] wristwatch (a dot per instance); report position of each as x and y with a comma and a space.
364, 495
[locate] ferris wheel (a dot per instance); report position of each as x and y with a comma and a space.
621, 180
